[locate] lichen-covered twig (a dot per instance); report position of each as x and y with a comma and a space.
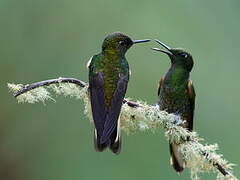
49, 82
137, 116
21, 89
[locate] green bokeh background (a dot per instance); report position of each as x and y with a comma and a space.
51, 38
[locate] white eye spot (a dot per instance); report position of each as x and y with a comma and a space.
185, 55
121, 42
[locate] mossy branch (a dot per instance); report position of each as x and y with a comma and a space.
137, 116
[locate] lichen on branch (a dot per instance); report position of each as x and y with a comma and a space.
137, 116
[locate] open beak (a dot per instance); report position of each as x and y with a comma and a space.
168, 52
141, 41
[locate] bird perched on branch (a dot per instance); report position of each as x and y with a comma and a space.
176, 95
108, 80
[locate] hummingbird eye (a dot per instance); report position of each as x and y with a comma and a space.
185, 55
121, 42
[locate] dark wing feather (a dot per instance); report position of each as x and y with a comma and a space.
111, 122
99, 111
192, 95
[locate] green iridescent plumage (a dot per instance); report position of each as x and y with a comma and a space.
111, 65
108, 79
176, 95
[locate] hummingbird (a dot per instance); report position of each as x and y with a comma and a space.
177, 95
108, 80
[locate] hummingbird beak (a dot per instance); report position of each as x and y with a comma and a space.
141, 41
162, 44
165, 46
163, 51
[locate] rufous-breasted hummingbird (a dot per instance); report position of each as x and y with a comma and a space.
176, 95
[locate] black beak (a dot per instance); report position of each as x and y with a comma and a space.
141, 41
161, 50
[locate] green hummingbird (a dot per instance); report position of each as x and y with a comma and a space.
108, 80
177, 95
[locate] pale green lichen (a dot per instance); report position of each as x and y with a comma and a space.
200, 158
67, 89
15, 87
42, 94
36, 95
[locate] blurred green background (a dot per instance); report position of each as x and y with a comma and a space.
51, 38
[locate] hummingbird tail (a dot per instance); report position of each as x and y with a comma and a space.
176, 159
99, 147
115, 145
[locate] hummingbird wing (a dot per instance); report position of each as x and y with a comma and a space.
96, 90
192, 95
96, 83
112, 123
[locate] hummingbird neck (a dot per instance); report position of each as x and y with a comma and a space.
112, 58
177, 75
113, 53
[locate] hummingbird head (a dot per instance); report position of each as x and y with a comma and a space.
119, 43
178, 56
